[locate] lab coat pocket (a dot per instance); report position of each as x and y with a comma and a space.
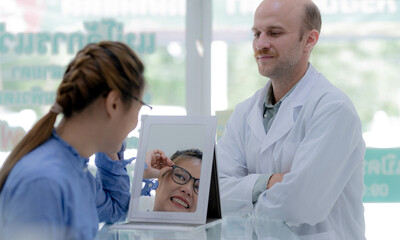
284, 155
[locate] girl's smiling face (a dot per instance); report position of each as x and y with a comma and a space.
171, 196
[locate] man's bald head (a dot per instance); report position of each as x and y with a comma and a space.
306, 10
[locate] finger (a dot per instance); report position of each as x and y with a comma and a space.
169, 162
165, 168
158, 164
162, 154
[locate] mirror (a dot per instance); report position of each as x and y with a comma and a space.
177, 193
174, 188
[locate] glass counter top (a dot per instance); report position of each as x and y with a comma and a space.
230, 227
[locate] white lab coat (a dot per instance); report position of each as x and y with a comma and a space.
316, 141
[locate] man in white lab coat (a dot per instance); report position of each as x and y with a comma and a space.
294, 150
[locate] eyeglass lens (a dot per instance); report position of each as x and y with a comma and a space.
181, 176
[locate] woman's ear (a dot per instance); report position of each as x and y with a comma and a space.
113, 103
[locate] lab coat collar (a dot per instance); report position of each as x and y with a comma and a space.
303, 88
286, 114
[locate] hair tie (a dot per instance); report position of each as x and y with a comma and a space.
56, 108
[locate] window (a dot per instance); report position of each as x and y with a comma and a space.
39, 38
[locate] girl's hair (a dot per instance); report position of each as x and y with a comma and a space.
96, 70
179, 156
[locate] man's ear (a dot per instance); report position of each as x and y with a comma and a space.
112, 103
312, 39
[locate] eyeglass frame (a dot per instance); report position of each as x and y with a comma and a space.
143, 103
190, 175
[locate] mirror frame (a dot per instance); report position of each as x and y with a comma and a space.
200, 215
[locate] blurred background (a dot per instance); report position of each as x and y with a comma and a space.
358, 51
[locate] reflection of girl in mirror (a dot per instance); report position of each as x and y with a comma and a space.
46, 189
179, 180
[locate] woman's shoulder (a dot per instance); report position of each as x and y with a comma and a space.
47, 161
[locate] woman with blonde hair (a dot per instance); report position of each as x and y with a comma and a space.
46, 191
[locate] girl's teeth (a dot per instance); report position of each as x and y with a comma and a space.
176, 200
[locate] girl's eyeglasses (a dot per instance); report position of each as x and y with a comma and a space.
143, 103
181, 176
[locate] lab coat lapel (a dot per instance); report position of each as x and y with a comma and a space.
255, 116
284, 120
282, 123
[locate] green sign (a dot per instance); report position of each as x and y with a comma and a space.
382, 175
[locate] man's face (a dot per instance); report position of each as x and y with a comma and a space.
277, 46
173, 197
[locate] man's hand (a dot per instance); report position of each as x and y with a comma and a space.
275, 178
